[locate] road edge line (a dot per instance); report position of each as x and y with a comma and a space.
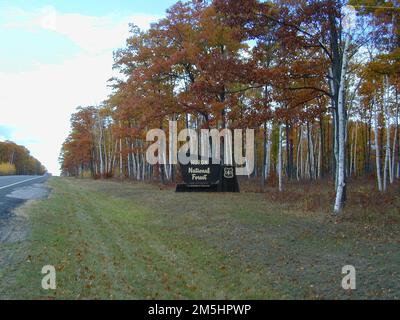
16, 183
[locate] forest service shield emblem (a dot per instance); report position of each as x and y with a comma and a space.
228, 173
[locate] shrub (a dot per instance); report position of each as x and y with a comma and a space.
86, 174
7, 169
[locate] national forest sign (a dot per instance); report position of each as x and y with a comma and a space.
200, 173
205, 176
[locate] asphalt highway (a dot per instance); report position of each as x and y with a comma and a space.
15, 190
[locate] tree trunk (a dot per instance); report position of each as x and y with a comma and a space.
351, 153
319, 163
120, 159
341, 174
299, 158
310, 152
355, 150
377, 149
289, 151
322, 148
128, 158
268, 160
280, 158
387, 166
100, 149
264, 156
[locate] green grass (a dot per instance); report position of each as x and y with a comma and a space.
111, 240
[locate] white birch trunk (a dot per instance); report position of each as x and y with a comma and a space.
138, 166
113, 154
351, 153
144, 167
100, 148
355, 150
268, 153
307, 166
312, 160
134, 167
387, 167
298, 156
319, 156
105, 154
301, 154
377, 149
120, 159
128, 159
341, 184
280, 158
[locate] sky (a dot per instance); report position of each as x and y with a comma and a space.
56, 56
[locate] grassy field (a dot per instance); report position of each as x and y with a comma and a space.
117, 240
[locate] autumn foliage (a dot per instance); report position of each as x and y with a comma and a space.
15, 159
292, 70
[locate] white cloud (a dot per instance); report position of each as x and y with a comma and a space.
90, 33
39, 103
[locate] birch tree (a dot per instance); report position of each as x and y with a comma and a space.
377, 148
341, 113
279, 166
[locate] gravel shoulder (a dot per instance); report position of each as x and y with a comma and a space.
14, 228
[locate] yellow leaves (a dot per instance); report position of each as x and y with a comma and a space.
7, 169
16, 159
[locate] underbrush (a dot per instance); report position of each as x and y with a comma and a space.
364, 204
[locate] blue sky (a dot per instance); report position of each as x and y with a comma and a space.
56, 56
46, 46
94, 7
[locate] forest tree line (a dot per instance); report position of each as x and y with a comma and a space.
317, 80
17, 160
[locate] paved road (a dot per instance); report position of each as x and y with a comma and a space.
15, 190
